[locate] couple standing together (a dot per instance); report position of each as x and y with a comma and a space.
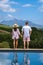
26, 32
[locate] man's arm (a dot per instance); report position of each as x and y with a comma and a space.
30, 32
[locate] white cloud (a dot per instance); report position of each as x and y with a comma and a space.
41, 8
6, 7
9, 15
4, 1
3, 6
8, 1
9, 10
40, 0
27, 5
12, 2
12, 10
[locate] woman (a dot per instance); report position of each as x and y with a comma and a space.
15, 35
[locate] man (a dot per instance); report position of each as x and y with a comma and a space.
26, 30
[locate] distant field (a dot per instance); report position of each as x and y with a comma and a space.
5, 28
7, 42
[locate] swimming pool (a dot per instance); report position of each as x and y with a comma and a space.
7, 58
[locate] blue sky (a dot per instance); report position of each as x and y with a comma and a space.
31, 10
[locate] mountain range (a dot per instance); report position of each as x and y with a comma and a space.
20, 23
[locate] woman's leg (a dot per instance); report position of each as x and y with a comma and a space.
16, 43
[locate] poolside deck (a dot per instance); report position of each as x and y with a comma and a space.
21, 50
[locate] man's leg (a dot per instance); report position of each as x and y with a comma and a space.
24, 44
27, 44
24, 40
28, 41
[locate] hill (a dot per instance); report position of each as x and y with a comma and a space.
3, 31
20, 23
7, 42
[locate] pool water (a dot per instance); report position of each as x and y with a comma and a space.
8, 58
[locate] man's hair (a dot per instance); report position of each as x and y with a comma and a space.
26, 22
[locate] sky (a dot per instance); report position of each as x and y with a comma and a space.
31, 10
7, 57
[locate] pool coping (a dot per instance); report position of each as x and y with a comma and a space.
20, 50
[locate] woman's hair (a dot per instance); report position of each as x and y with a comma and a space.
15, 29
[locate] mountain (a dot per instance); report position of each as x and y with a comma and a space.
20, 23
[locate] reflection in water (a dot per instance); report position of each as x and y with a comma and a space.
21, 58
26, 60
15, 59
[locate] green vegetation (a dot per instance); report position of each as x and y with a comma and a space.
7, 42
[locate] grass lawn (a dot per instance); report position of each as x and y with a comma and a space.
4, 44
